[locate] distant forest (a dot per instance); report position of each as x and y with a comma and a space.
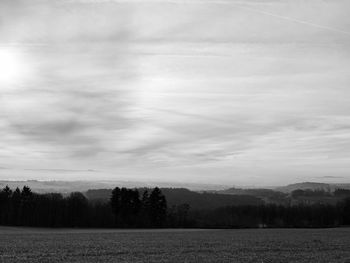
149, 208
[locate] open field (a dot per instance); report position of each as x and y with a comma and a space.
241, 245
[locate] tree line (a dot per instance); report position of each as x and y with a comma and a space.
125, 209
271, 215
320, 193
130, 208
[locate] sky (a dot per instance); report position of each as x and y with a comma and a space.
249, 93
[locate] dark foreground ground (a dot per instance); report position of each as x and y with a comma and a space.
253, 245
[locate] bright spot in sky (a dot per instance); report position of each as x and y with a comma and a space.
11, 66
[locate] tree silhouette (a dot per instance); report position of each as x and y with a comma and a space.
145, 215
158, 207
15, 211
26, 207
116, 204
77, 205
5, 204
130, 211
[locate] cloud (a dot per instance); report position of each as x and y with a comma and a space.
331, 177
210, 91
62, 170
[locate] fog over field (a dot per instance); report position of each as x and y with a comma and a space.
250, 92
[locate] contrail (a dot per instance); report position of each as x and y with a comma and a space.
294, 20
242, 4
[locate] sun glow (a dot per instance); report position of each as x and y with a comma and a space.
12, 68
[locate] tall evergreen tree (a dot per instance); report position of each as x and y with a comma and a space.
145, 213
116, 204
77, 205
5, 205
15, 211
26, 208
158, 207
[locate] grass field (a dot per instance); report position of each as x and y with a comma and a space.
253, 245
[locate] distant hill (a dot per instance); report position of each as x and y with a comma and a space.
84, 185
55, 186
267, 195
199, 196
312, 186
207, 200
100, 195
177, 196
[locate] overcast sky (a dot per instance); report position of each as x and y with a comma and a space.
251, 92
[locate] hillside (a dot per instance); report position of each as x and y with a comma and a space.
267, 195
312, 186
